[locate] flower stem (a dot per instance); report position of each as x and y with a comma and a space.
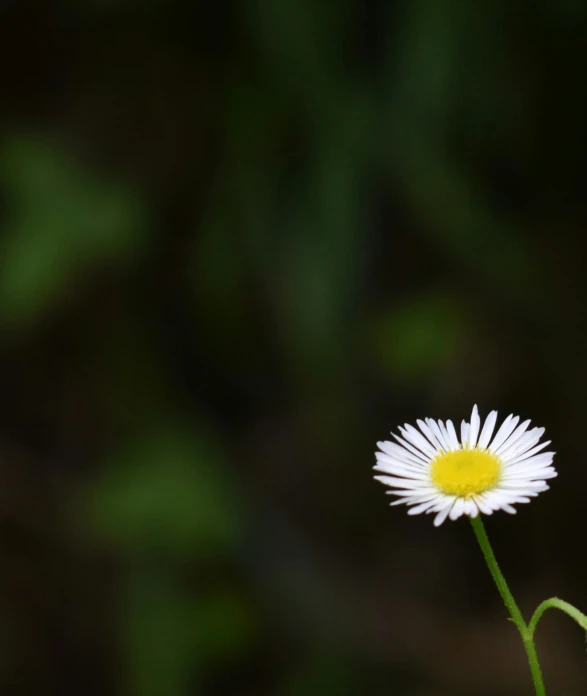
508, 599
556, 603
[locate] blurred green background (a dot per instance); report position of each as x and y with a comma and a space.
239, 243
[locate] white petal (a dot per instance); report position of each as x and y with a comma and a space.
443, 512
487, 431
525, 461
385, 463
400, 482
516, 485
475, 425
546, 473
434, 441
411, 448
539, 462
484, 505
498, 501
465, 429
470, 507
413, 500
423, 507
515, 499
454, 440
386, 460
531, 453
399, 452
420, 493
438, 434
504, 431
513, 438
457, 509
398, 470
495, 499
425, 498
411, 434
523, 444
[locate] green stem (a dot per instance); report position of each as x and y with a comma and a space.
561, 605
508, 599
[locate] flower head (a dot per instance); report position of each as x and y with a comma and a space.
431, 470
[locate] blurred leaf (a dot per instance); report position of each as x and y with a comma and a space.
451, 77
255, 124
233, 242
167, 492
171, 635
455, 212
62, 221
226, 626
428, 54
160, 635
302, 42
321, 675
320, 262
419, 337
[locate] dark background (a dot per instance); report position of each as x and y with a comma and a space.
240, 242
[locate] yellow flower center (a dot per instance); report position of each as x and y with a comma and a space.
465, 472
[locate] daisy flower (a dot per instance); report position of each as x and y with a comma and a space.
431, 470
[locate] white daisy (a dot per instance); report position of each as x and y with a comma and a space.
432, 471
